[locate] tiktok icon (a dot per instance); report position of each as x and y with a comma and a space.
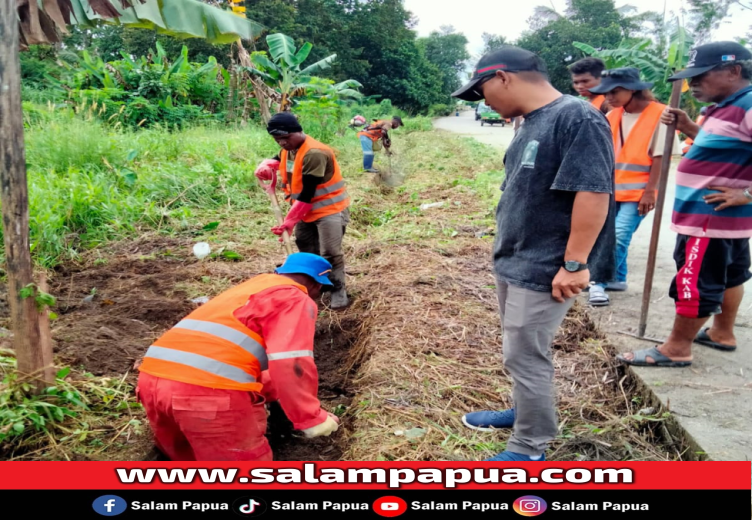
249, 506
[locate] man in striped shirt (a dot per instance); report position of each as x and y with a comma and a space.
713, 207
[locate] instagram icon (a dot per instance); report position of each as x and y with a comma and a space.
530, 505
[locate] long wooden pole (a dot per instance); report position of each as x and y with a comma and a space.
668, 148
15, 204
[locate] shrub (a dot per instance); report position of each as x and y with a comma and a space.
439, 110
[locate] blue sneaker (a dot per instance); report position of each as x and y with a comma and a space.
510, 456
489, 420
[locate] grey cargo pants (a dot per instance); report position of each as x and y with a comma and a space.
530, 320
324, 237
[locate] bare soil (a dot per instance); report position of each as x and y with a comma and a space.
110, 312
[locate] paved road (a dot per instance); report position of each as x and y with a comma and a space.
466, 124
713, 398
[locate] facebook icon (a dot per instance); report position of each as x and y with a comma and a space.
109, 505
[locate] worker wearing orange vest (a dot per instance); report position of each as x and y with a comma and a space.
638, 142
373, 136
688, 142
203, 384
313, 184
586, 74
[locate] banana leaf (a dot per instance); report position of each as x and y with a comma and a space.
319, 65
180, 18
281, 47
302, 54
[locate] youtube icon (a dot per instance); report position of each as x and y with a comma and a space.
389, 506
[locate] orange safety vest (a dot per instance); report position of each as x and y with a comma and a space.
688, 142
373, 131
211, 347
633, 162
598, 101
330, 198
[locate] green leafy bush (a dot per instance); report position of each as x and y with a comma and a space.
147, 91
440, 110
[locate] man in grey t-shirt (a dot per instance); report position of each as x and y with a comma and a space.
555, 232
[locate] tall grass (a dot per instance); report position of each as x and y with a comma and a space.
90, 183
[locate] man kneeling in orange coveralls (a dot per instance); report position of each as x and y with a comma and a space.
204, 382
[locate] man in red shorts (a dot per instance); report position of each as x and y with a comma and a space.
713, 207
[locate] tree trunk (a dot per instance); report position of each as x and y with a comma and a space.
15, 204
231, 93
245, 61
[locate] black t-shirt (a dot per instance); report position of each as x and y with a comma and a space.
563, 148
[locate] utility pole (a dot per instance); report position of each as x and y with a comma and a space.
32, 361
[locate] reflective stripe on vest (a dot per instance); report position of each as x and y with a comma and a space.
291, 355
632, 167
201, 363
635, 186
329, 202
325, 190
211, 347
633, 161
330, 198
245, 342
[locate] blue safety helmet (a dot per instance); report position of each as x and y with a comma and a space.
308, 264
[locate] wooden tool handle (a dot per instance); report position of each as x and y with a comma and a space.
278, 215
668, 147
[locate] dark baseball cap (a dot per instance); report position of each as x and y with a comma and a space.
709, 56
625, 77
506, 58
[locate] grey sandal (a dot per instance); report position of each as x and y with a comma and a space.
640, 359
598, 296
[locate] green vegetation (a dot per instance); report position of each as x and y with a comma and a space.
72, 412
283, 72
649, 40
91, 183
656, 61
147, 90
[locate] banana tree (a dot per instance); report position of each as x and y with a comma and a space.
656, 62
27, 22
281, 68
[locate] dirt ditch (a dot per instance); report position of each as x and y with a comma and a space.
433, 356
110, 311
335, 344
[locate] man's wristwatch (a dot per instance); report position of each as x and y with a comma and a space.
748, 194
574, 267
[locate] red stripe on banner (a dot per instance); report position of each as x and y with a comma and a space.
381, 475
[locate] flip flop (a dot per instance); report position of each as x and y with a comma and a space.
703, 339
659, 360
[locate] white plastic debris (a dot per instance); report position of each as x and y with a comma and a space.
201, 300
201, 250
424, 207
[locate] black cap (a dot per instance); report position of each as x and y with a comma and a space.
506, 58
625, 77
709, 56
283, 123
